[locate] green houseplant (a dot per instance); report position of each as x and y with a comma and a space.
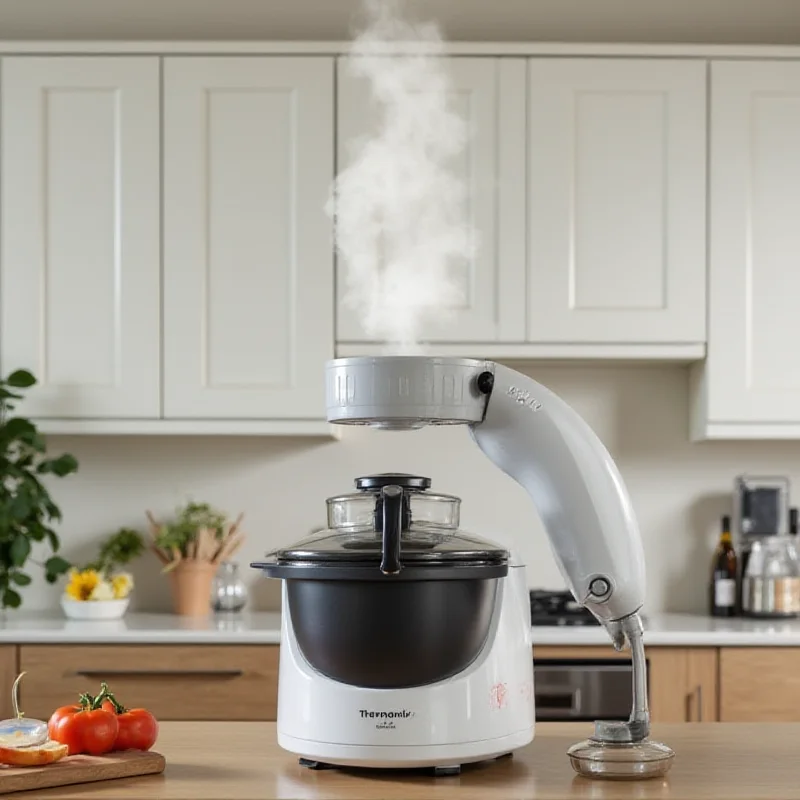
190, 548
27, 510
118, 550
101, 589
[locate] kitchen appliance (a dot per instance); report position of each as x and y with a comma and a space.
771, 579
762, 503
470, 698
768, 576
582, 690
552, 608
389, 613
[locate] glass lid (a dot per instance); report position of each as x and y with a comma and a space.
427, 525
415, 545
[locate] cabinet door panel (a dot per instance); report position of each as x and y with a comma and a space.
248, 263
616, 201
760, 684
176, 682
752, 373
683, 684
81, 267
490, 94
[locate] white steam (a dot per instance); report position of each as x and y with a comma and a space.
398, 205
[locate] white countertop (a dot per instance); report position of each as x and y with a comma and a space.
676, 630
31, 627
686, 630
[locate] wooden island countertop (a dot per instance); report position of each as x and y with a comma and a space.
242, 761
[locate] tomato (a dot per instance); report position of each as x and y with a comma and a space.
138, 728
84, 728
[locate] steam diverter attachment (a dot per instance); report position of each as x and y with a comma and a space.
531, 435
405, 392
536, 438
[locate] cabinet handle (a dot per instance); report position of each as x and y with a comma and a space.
697, 694
160, 673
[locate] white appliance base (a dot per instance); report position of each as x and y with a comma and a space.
405, 756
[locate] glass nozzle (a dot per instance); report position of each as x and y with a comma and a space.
19, 731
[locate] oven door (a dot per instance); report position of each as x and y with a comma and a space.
582, 690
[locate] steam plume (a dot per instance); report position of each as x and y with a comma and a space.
399, 207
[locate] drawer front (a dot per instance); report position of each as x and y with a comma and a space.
760, 684
183, 682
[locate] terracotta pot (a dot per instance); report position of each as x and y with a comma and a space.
191, 588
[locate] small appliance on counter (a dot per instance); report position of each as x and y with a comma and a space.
762, 506
768, 568
771, 577
407, 642
390, 610
558, 608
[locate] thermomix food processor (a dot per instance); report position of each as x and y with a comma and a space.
406, 642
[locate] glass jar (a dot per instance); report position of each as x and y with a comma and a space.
229, 592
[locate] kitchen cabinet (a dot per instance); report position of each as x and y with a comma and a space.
248, 264
760, 684
80, 247
9, 669
683, 684
176, 682
616, 201
749, 385
490, 94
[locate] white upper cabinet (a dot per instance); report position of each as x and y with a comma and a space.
750, 383
248, 259
490, 94
80, 263
616, 201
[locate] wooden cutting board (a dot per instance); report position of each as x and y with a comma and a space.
80, 769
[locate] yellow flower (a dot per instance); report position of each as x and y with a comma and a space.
122, 585
82, 584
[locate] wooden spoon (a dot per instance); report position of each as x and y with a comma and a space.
230, 546
203, 544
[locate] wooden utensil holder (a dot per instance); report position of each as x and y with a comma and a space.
191, 587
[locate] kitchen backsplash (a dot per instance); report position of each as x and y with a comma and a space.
679, 489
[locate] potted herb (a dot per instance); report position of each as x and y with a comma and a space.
27, 510
191, 547
101, 589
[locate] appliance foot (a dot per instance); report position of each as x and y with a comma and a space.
310, 764
444, 772
504, 755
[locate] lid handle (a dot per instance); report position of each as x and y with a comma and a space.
392, 497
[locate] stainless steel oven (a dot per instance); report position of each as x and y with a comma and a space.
582, 690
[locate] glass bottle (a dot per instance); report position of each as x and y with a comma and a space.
722, 596
229, 592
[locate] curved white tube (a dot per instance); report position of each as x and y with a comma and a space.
533, 436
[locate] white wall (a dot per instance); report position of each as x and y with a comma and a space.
679, 489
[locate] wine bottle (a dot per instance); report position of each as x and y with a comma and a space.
722, 599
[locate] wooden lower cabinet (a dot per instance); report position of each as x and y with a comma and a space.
240, 682
760, 684
683, 684
176, 682
9, 669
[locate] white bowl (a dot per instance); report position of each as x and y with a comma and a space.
94, 609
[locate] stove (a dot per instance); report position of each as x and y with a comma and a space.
558, 608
